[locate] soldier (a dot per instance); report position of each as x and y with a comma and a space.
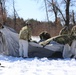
73, 31
64, 31
25, 37
63, 37
25, 33
70, 50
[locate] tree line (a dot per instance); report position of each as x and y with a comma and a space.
64, 10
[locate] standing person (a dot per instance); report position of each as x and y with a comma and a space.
25, 37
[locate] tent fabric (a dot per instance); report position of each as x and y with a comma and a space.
3, 45
12, 41
36, 50
54, 46
11, 29
11, 45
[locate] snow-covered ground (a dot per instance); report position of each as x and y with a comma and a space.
35, 38
34, 66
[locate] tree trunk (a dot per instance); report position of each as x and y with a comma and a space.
46, 11
67, 12
73, 17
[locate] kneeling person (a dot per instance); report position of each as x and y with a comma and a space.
70, 50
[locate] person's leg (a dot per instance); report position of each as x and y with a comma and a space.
20, 48
25, 48
67, 51
73, 48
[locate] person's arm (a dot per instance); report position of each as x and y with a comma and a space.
62, 39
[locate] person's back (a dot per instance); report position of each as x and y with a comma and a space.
64, 31
25, 33
70, 48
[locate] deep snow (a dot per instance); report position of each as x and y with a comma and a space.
34, 66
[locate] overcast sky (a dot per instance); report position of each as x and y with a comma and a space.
28, 9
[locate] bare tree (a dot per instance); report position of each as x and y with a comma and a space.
14, 15
67, 12
73, 17
53, 5
3, 11
57, 6
46, 10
